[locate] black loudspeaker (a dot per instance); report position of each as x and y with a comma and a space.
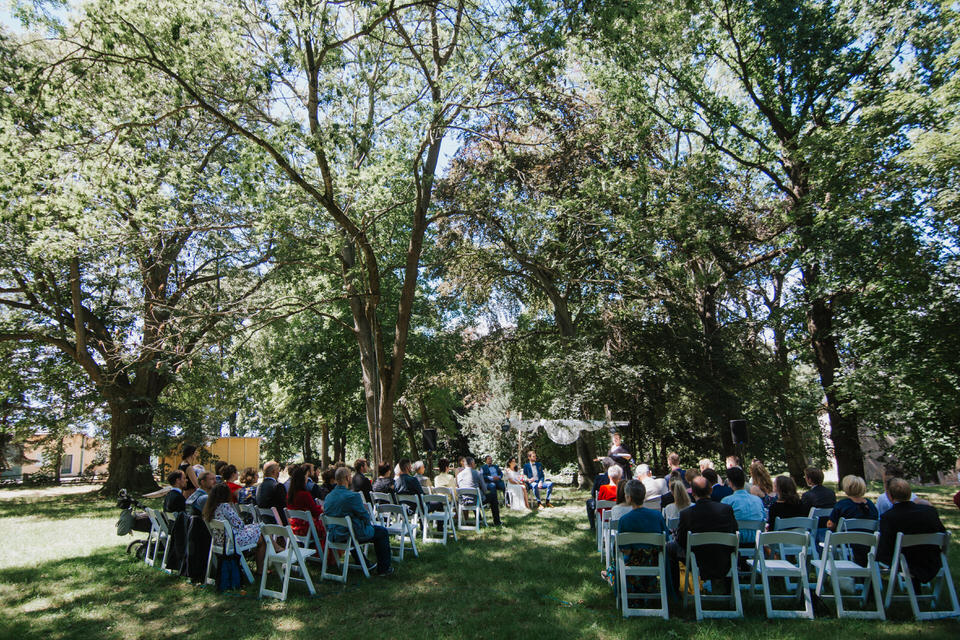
430, 439
505, 427
738, 429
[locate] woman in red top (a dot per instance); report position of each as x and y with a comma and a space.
229, 477
299, 499
609, 490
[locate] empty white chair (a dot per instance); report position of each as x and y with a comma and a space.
226, 546
801, 524
393, 517
601, 505
832, 563
288, 559
159, 535
311, 539
782, 568
658, 541
442, 514
731, 540
902, 579
470, 500
345, 547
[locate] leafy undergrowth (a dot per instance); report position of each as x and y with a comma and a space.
537, 577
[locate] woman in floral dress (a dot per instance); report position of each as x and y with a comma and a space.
245, 535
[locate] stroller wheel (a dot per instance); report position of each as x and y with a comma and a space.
141, 551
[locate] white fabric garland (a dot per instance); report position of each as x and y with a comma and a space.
562, 432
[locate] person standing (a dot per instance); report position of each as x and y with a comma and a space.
533, 471
620, 455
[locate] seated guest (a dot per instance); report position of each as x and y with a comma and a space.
600, 480
291, 469
746, 506
704, 464
704, 516
343, 502
884, 502
492, 475
681, 500
788, 503
855, 505
470, 478
638, 520
734, 461
299, 499
174, 502
218, 507
218, 467
384, 481
444, 478
817, 495
908, 517
718, 490
327, 483
406, 484
517, 489
655, 488
762, 484
360, 482
461, 465
229, 477
609, 491
190, 458
271, 493
419, 472
194, 504
248, 492
533, 472
673, 461
313, 480
690, 476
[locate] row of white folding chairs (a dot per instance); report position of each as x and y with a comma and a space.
473, 504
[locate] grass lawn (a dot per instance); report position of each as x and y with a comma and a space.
64, 574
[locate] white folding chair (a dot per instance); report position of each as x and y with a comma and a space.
311, 539
782, 568
746, 528
659, 541
227, 547
610, 523
251, 510
819, 513
731, 540
446, 491
856, 524
380, 497
474, 503
269, 515
159, 534
902, 579
443, 515
414, 509
345, 547
290, 557
393, 517
601, 504
833, 564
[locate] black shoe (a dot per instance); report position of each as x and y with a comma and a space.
388, 572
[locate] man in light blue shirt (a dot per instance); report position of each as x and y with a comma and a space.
746, 506
343, 502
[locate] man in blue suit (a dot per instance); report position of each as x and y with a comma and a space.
492, 476
533, 472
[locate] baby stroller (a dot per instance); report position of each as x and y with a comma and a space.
131, 521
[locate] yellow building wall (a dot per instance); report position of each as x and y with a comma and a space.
240, 452
82, 448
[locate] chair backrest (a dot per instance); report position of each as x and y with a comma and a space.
379, 496
857, 524
652, 539
605, 504
394, 511
445, 491
436, 499
266, 515
820, 512
750, 525
155, 519
306, 516
796, 538
941, 540
224, 527
410, 499
344, 522
713, 537
471, 492
673, 523
795, 524
836, 540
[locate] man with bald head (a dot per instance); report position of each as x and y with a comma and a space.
271, 493
703, 516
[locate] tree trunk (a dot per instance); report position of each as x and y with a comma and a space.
585, 456
843, 422
307, 446
411, 432
789, 432
425, 419
325, 445
130, 425
721, 404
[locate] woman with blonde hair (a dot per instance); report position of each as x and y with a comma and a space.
762, 484
855, 505
681, 500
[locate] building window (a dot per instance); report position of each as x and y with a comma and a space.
67, 466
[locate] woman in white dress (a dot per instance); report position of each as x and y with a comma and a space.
516, 487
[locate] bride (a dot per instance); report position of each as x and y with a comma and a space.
516, 488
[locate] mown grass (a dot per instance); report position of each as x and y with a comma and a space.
535, 579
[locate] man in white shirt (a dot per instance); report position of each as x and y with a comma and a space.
656, 487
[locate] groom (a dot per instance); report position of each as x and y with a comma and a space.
533, 472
